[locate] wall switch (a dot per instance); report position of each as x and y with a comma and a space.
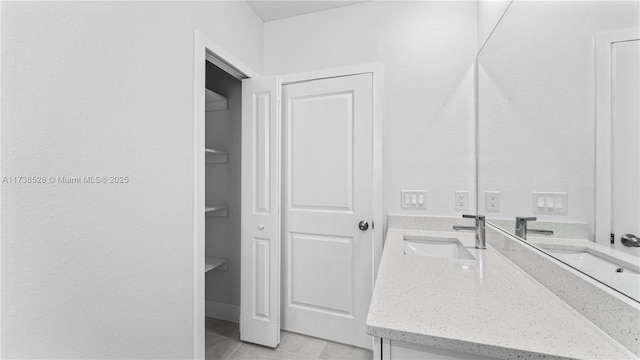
492, 201
461, 200
559, 203
406, 199
540, 201
413, 199
552, 203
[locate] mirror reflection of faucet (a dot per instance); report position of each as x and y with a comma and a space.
522, 230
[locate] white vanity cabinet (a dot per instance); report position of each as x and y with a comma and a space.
387, 349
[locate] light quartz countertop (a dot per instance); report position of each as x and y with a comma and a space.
487, 306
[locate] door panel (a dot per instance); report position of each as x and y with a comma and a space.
310, 255
260, 234
625, 123
327, 190
262, 152
322, 152
261, 281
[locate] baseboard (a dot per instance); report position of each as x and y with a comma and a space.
222, 311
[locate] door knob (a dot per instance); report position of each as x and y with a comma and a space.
363, 225
629, 240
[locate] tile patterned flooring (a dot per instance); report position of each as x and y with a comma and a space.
222, 342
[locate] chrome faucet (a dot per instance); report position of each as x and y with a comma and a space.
479, 228
522, 230
630, 240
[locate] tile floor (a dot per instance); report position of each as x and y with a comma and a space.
222, 341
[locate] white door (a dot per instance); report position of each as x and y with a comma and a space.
260, 202
625, 123
327, 190
617, 89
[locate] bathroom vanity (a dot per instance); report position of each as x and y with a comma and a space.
431, 300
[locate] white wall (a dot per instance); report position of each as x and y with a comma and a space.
428, 51
103, 88
489, 14
537, 103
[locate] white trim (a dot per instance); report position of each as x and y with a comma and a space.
377, 70
1, 166
603, 47
378, 199
377, 348
199, 80
222, 311
476, 133
386, 349
202, 49
220, 53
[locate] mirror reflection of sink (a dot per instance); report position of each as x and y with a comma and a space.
614, 272
587, 260
442, 247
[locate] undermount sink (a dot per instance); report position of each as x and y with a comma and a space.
441, 247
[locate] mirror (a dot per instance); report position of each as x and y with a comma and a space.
559, 133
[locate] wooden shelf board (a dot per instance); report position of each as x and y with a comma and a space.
214, 156
215, 101
214, 262
215, 210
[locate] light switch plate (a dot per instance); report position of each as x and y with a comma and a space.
413, 199
551, 203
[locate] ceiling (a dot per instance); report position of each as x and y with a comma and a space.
274, 10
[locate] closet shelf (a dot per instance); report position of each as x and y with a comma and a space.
213, 156
215, 210
214, 101
212, 262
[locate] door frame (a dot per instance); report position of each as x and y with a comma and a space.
377, 71
603, 109
204, 49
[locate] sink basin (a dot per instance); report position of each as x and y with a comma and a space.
441, 247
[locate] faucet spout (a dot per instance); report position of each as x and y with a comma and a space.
460, 227
479, 228
522, 230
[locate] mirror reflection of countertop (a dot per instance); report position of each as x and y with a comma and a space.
487, 306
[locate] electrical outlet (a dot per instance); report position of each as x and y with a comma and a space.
461, 200
492, 201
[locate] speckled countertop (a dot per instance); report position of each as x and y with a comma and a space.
487, 306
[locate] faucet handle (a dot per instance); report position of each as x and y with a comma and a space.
479, 217
525, 219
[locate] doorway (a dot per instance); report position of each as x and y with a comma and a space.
216, 155
261, 273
